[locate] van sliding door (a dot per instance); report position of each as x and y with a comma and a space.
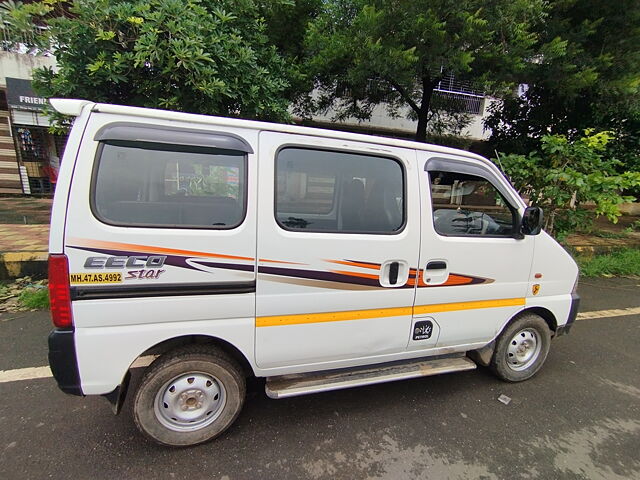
337, 239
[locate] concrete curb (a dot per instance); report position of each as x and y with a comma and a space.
20, 264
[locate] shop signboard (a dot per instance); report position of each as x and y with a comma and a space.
20, 95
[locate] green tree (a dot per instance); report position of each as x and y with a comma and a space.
361, 53
286, 28
586, 75
565, 174
200, 56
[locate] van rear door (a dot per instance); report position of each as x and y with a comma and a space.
338, 225
474, 265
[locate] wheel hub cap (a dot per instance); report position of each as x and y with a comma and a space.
524, 349
189, 402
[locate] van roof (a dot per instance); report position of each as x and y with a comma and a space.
74, 107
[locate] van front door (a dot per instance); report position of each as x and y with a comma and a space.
337, 238
474, 265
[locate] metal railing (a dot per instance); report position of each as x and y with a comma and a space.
462, 102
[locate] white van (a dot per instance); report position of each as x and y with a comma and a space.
216, 249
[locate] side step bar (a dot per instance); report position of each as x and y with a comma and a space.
293, 385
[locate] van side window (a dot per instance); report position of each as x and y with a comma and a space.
467, 205
340, 192
159, 185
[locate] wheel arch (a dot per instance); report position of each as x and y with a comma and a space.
483, 355
173, 343
546, 314
144, 359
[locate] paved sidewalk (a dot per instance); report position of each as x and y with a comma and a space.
25, 210
24, 224
24, 238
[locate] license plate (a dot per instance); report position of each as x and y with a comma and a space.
76, 278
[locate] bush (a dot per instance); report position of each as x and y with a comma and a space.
566, 174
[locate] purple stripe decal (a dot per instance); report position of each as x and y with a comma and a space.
181, 262
318, 275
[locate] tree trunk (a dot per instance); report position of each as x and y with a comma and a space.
421, 131
423, 113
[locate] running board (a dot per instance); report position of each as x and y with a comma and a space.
293, 385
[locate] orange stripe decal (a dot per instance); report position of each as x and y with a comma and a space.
173, 251
306, 318
454, 307
355, 274
265, 260
152, 249
355, 264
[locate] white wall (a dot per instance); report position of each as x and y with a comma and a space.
20, 65
381, 120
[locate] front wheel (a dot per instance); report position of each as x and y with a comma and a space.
189, 396
521, 348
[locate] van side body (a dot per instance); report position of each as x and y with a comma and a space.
293, 250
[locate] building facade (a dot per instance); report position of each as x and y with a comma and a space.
29, 153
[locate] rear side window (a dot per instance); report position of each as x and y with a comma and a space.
340, 192
159, 185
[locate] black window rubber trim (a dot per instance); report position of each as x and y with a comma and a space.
161, 290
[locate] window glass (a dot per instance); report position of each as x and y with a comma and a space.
172, 186
469, 205
325, 191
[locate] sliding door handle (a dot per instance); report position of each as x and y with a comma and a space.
393, 273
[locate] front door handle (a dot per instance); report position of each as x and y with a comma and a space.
436, 265
436, 272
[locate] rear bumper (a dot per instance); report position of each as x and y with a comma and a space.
63, 361
573, 313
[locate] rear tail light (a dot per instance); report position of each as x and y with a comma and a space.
59, 292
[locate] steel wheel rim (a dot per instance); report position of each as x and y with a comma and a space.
523, 350
190, 401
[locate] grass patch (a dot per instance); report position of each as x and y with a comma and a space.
36, 298
625, 261
607, 234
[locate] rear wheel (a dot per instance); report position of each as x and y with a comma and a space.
521, 348
189, 396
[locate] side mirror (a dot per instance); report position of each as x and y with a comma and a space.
531, 221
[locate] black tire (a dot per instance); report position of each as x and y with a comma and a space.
521, 348
203, 378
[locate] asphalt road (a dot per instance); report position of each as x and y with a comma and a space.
579, 418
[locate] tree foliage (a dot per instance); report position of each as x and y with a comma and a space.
563, 175
362, 53
586, 75
203, 56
